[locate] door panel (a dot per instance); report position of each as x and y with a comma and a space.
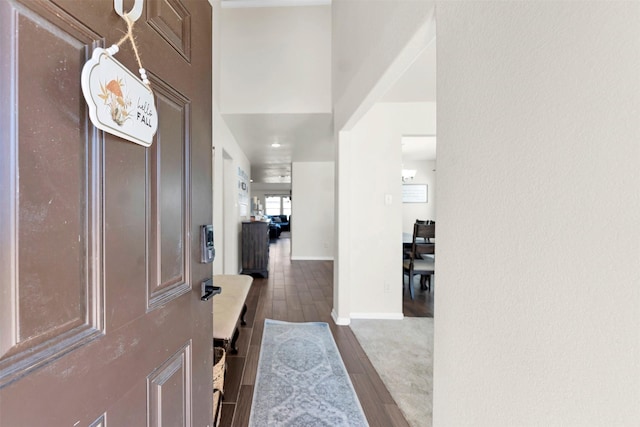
169, 399
169, 179
125, 231
101, 322
173, 22
49, 164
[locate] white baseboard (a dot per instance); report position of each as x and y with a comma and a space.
226, 4
343, 321
381, 316
311, 258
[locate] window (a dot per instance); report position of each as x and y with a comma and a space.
272, 205
286, 205
277, 205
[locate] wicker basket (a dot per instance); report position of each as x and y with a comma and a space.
217, 407
219, 368
219, 363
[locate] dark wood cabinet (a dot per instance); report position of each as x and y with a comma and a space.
255, 247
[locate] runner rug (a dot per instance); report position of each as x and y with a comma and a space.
302, 380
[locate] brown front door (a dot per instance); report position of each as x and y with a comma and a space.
101, 322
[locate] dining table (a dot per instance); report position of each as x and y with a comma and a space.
407, 239
407, 242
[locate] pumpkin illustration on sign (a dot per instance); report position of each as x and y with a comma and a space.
114, 99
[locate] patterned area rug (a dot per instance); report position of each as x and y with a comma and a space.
401, 351
302, 380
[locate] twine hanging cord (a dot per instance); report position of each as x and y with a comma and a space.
129, 36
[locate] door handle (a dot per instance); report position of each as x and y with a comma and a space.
208, 290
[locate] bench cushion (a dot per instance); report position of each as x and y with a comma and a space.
227, 306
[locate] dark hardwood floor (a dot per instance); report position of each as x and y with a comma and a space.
302, 291
422, 304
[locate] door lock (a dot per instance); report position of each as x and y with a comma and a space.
208, 252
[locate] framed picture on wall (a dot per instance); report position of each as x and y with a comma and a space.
414, 193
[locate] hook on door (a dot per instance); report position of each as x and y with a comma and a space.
133, 14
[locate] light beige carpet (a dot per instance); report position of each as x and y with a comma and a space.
401, 351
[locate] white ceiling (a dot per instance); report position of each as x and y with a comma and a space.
302, 138
261, 110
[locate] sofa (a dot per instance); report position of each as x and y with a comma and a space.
274, 230
282, 221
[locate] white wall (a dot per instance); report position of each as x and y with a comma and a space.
367, 36
375, 226
425, 174
226, 213
313, 210
227, 221
373, 44
271, 60
538, 289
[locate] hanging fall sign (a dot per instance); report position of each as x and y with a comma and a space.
119, 102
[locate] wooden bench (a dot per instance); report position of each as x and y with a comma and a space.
229, 308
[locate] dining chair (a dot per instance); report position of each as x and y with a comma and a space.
420, 259
425, 221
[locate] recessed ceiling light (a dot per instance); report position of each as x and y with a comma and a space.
275, 145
